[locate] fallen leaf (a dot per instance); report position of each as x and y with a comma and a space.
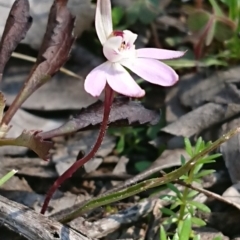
231, 150
30, 139
61, 93
67, 152
124, 112
233, 193
83, 9
57, 41
219, 87
26, 166
201, 118
18, 23
53, 54
23, 120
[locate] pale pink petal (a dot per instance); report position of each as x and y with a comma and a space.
152, 71
111, 48
96, 79
129, 37
121, 81
103, 20
160, 54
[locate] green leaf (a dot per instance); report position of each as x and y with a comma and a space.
132, 13
217, 238
176, 204
186, 228
174, 189
148, 11
197, 20
197, 167
192, 194
121, 144
197, 237
204, 173
163, 235
168, 197
6, 177
175, 237
170, 220
188, 146
224, 30
200, 206
198, 222
142, 165
183, 160
216, 8
211, 32
117, 15
212, 61
199, 145
168, 211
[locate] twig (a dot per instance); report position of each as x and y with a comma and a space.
32, 225
109, 224
209, 194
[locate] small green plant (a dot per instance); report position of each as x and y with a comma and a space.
182, 211
216, 32
6, 177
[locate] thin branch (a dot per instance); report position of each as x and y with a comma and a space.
209, 194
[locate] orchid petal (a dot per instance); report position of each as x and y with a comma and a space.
160, 54
103, 20
152, 71
96, 80
129, 37
111, 48
121, 81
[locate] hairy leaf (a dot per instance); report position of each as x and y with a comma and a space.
124, 112
18, 23
30, 139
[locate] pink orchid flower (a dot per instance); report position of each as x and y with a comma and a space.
119, 49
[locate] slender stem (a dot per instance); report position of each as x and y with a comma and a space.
109, 94
18, 101
189, 180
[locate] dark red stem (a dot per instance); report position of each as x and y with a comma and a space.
109, 94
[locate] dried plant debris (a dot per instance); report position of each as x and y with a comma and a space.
33, 167
21, 121
30, 139
41, 228
61, 93
201, 118
221, 87
214, 100
231, 150
107, 225
233, 194
57, 41
67, 152
124, 112
83, 9
18, 23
